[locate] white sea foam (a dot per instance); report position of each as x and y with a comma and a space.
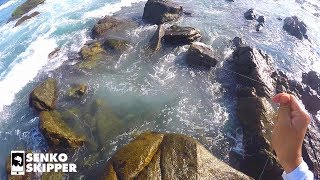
30, 62
7, 4
109, 9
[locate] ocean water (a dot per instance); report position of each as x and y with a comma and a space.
163, 92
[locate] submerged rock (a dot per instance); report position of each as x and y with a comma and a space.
91, 55
201, 55
295, 27
56, 131
250, 14
177, 35
44, 96
161, 11
116, 45
24, 18
25, 8
155, 41
78, 90
106, 24
167, 156
54, 53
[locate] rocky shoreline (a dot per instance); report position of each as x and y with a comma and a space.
158, 155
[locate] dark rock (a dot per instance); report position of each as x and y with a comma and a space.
250, 14
187, 13
77, 90
116, 45
201, 55
255, 115
261, 19
155, 41
56, 131
53, 53
295, 27
253, 64
311, 147
44, 96
311, 100
177, 35
167, 156
279, 18
246, 92
312, 79
25, 8
237, 42
24, 18
107, 24
161, 11
259, 27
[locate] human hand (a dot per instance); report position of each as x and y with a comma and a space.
289, 131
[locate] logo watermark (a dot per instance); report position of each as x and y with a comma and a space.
22, 162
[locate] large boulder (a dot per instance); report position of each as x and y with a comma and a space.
56, 131
167, 156
201, 55
177, 35
254, 69
256, 118
295, 27
91, 54
155, 41
26, 17
44, 96
25, 8
161, 11
312, 79
108, 25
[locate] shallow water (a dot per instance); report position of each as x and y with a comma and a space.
158, 94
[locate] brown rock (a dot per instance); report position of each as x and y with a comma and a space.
24, 18
155, 41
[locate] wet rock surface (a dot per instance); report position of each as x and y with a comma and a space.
155, 42
91, 55
167, 156
116, 45
200, 55
295, 27
250, 14
108, 25
56, 131
25, 8
312, 79
77, 90
177, 35
161, 11
24, 18
44, 96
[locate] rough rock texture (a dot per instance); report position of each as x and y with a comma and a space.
155, 41
312, 79
116, 45
311, 145
295, 27
177, 35
161, 11
56, 131
201, 55
167, 156
255, 113
91, 55
25, 8
250, 14
252, 63
106, 24
24, 18
78, 90
44, 96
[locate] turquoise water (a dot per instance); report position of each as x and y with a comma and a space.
163, 93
